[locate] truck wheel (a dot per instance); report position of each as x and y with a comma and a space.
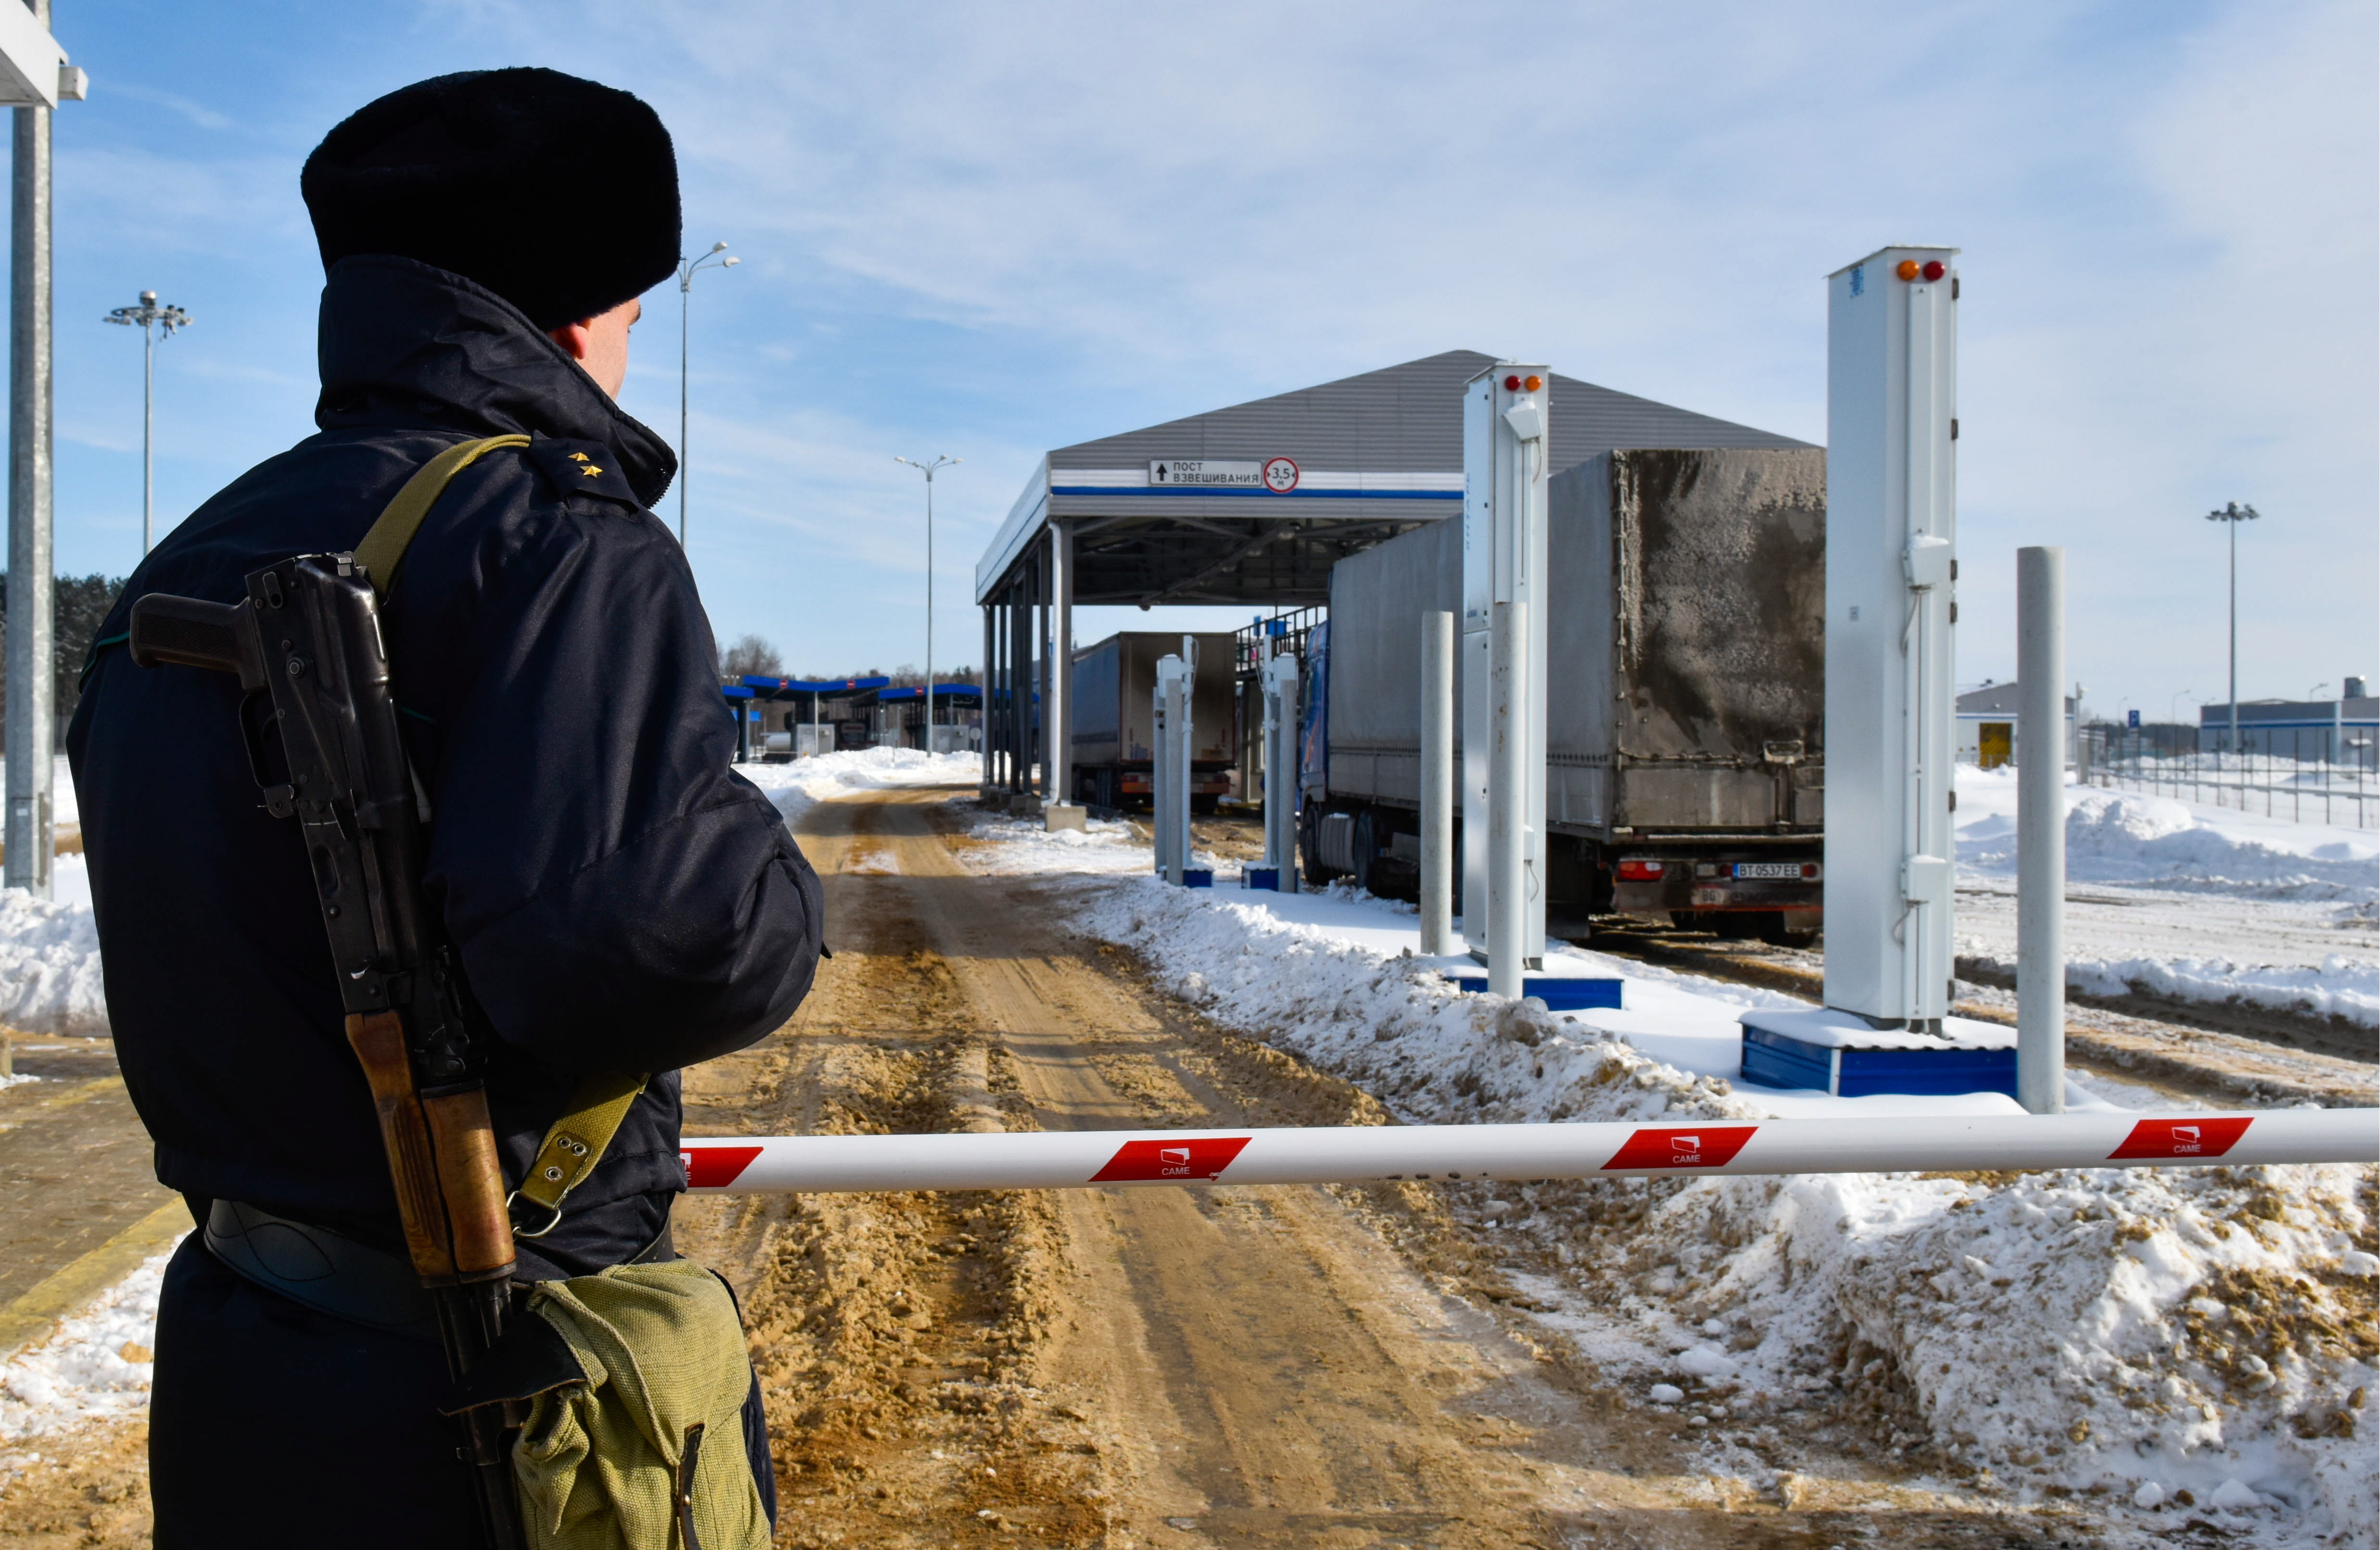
1204, 805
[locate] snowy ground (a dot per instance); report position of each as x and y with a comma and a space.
2129, 1335
97, 1366
2195, 903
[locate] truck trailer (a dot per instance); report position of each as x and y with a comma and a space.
1685, 694
1115, 693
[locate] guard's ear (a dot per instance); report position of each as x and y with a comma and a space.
576, 338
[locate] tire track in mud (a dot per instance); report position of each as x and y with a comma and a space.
1220, 1366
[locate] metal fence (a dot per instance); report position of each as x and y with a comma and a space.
2309, 776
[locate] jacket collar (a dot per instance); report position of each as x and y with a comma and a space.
405, 345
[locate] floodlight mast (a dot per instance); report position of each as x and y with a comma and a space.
149, 318
687, 270
944, 460
2231, 515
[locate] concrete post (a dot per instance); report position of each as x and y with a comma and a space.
2041, 829
1437, 783
31, 720
1508, 777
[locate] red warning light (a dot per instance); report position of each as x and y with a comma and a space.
1933, 270
1512, 384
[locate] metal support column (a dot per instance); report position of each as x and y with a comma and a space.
983, 682
1060, 717
2041, 829
1437, 783
32, 720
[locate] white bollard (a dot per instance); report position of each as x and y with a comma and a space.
1508, 775
1281, 756
2041, 829
1437, 783
1170, 768
1933, 1143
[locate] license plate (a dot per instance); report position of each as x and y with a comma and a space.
1769, 870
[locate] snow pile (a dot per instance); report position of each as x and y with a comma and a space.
97, 1366
2208, 1331
2340, 986
50, 979
2119, 837
795, 787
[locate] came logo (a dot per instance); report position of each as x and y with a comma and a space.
2168, 1138
1659, 1147
1149, 1162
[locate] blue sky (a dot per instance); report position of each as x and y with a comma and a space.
993, 230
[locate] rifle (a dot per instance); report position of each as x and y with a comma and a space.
306, 645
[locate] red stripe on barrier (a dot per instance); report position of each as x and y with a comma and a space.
1149, 1161
716, 1167
1682, 1146
2181, 1138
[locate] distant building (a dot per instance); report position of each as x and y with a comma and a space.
2342, 731
1988, 726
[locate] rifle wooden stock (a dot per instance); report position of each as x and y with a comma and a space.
463, 1141
442, 1157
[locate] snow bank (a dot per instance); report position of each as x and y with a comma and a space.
2206, 1331
2119, 837
796, 787
49, 958
97, 1366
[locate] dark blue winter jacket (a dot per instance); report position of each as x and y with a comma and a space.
619, 899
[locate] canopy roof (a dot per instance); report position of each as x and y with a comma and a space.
1373, 456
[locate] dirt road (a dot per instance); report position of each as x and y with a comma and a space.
1249, 1366
1164, 1368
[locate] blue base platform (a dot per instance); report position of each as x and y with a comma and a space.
1559, 992
1834, 1052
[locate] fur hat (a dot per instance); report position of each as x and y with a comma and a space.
558, 194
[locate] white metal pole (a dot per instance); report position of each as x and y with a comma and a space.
1506, 783
685, 312
930, 610
1936, 1143
2041, 829
1167, 789
1437, 783
31, 725
1061, 669
2234, 525
1279, 682
148, 438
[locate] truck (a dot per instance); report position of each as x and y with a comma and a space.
1685, 694
1115, 693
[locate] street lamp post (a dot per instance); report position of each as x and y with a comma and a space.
687, 270
149, 318
928, 469
2231, 515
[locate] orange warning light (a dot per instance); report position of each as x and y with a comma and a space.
1933, 270
1512, 384
1534, 383
1907, 269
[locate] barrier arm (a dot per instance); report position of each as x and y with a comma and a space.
1044, 1159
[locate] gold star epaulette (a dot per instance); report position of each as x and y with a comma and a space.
582, 469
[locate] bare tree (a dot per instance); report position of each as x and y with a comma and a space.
753, 654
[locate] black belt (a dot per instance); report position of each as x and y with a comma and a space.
333, 1274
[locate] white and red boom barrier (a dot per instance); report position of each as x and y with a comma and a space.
1070, 1160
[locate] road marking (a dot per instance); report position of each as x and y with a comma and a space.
31, 1318
65, 1098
